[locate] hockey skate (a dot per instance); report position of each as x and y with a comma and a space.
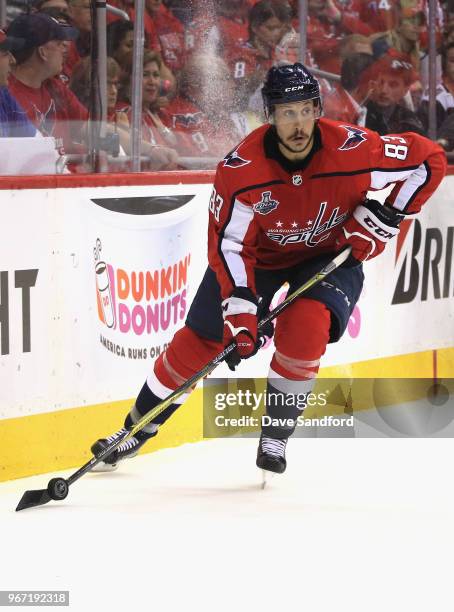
271, 457
126, 450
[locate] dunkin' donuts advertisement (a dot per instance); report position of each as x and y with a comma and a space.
142, 271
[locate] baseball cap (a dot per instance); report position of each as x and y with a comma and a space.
10, 43
392, 63
38, 28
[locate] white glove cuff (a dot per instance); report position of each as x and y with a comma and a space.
375, 227
235, 306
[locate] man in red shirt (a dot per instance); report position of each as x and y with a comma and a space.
203, 114
49, 104
79, 13
217, 33
170, 32
288, 197
346, 100
327, 26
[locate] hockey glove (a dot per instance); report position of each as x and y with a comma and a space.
368, 231
240, 324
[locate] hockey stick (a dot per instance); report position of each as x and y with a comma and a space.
57, 488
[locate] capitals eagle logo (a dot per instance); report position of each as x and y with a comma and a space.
234, 160
355, 137
187, 120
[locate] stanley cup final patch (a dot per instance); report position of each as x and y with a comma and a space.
266, 204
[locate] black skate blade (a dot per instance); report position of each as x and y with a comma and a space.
31, 499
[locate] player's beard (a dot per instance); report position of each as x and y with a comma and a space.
304, 151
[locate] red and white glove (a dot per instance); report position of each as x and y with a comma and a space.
240, 323
368, 231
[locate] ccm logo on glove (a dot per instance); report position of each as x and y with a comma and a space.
379, 231
368, 231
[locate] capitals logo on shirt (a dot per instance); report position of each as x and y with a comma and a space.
234, 160
187, 120
355, 137
266, 204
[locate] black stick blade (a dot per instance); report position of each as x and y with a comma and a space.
30, 499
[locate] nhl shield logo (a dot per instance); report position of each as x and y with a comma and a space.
266, 204
297, 180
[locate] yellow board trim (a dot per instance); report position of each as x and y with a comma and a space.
61, 440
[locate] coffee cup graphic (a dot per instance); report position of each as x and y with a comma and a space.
148, 259
104, 293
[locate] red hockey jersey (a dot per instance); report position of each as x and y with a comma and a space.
244, 61
171, 36
265, 215
216, 34
198, 135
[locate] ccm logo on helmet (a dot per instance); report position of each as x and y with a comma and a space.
296, 88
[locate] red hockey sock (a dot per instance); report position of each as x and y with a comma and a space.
302, 333
187, 354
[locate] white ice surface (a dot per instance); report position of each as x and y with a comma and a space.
359, 525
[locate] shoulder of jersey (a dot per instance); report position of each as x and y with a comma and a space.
345, 136
246, 157
346, 146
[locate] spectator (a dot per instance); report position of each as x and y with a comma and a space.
390, 78
445, 133
217, 33
347, 100
449, 35
249, 62
80, 86
120, 43
355, 43
150, 31
404, 38
57, 13
80, 14
327, 27
379, 15
445, 90
204, 109
183, 10
54, 8
49, 104
13, 120
161, 158
80, 17
155, 130
170, 32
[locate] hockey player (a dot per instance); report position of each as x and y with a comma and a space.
289, 196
